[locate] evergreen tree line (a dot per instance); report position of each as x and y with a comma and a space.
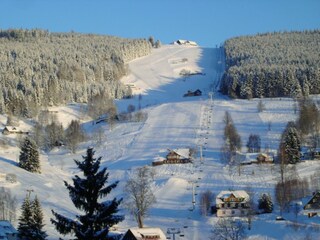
39, 68
272, 65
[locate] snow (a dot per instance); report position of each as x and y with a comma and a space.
174, 122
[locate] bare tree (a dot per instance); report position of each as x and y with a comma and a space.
228, 229
74, 135
140, 193
206, 199
8, 205
54, 135
231, 137
261, 107
100, 104
99, 136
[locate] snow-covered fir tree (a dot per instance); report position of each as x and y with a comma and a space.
290, 145
29, 156
31, 220
37, 227
25, 220
265, 203
85, 193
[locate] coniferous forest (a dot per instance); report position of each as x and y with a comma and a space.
272, 65
39, 68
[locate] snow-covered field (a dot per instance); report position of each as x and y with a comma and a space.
173, 122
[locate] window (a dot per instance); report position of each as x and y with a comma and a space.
232, 212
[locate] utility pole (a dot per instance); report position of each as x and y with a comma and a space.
211, 96
29, 192
201, 158
173, 231
193, 196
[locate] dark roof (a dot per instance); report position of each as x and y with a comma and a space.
314, 202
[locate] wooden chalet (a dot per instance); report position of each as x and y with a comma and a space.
264, 158
181, 155
253, 158
175, 156
144, 234
13, 130
232, 203
312, 207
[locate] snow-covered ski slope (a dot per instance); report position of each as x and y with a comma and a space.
173, 122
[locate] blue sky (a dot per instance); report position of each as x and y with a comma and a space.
209, 22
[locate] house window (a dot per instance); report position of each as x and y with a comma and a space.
237, 205
222, 205
228, 205
232, 212
242, 205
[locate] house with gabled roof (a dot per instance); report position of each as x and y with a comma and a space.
7, 231
232, 203
253, 158
180, 155
144, 234
312, 207
13, 130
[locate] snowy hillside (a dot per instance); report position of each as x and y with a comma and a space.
159, 82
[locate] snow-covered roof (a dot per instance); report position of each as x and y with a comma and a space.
185, 42
159, 159
12, 129
6, 228
246, 157
238, 194
193, 43
250, 157
183, 152
148, 233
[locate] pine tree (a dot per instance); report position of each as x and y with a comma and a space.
29, 156
31, 220
254, 143
289, 148
37, 226
265, 203
25, 220
98, 216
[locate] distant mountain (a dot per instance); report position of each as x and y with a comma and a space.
272, 65
39, 68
